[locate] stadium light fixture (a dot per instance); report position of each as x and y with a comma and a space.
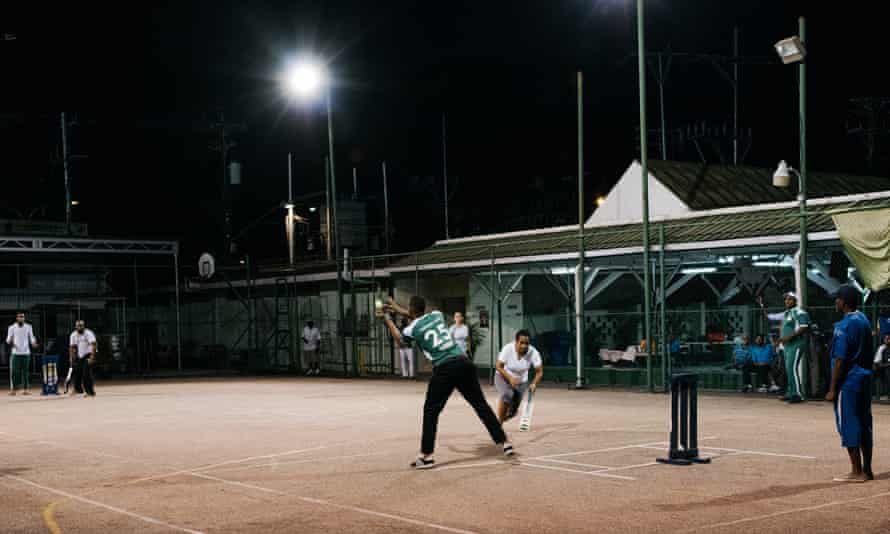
313, 209
305, 79
600, 200
75, 203
791, 50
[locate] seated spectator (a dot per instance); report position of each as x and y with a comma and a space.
882, 366
742, 359
762, 355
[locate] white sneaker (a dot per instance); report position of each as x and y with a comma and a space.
762, 389
308, 372
774, 389
317, 372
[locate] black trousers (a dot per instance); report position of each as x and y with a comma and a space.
83, 376
457, 373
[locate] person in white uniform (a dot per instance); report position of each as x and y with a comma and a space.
83, 356
20, 337
511, 379
460, 333
406, 351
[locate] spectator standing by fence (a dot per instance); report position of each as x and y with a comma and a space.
311, 342
882, 366
460, 333
20, 337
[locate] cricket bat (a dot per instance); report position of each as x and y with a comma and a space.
68, 378
525, 422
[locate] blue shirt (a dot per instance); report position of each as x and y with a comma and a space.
742, 353
851, 344
762, 354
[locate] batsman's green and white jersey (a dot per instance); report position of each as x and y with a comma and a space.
431, 334
792, 320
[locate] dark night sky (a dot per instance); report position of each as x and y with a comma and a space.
140, 81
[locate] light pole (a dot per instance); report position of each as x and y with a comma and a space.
644, 171
306, 79
792, 50
782, 178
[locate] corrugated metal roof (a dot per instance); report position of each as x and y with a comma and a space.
706, 228
704, 187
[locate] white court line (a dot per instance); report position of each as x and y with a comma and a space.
236, 483
103, 505
221, 464
785, 512
623, 467
577, 471
388, 516
335, 505
761, 453
610, 449
572, 463
306, 461
466, 466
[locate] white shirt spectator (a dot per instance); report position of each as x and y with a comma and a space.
518, 366
460, 334
879, 355
21, 338
311, 338
83, 342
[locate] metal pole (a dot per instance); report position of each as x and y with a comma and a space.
735, 96
67, 179
327, 208
354, 184
664, 143
178, 313
354, 326
803, 171
335, 230
138, 340
385, 210
579, 272
491, 282
662, 312
644, 164
250, 323
445, 174
289, 223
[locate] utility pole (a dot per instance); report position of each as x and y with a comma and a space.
445, 174
224, 143
67, 178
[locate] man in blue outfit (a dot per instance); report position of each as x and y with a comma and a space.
851, 373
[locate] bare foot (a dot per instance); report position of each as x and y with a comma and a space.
12, 393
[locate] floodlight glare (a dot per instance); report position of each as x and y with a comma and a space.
791, 50
304, 79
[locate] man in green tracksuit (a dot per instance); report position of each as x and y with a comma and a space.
794, 331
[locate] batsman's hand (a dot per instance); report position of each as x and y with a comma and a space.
532, 387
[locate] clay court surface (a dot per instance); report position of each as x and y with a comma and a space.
318, 455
